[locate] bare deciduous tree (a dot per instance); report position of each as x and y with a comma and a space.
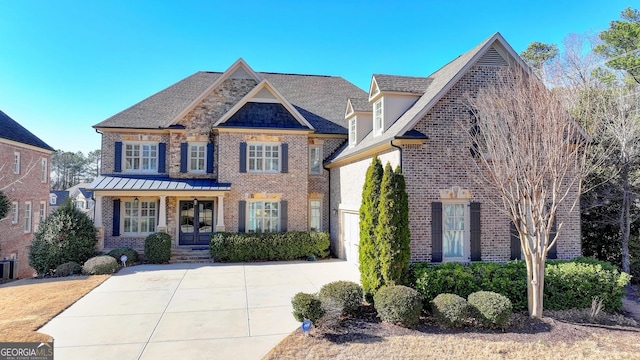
533, 153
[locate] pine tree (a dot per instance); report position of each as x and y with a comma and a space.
392, 231
370, 275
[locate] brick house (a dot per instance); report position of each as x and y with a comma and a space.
24, 179
247, 151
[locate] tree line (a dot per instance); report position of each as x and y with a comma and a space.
71, 168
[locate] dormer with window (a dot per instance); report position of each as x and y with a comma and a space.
359, 119
390, 96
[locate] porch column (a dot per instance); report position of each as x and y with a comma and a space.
162, 215
97, 222
220, 221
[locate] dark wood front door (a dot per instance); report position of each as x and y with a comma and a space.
196, 222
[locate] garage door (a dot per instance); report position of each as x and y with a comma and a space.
351, 235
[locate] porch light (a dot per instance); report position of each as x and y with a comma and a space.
195, 201
135, 201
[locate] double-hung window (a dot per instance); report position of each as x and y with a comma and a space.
139, 217
264, 158
43, 170
455, 231
197, 157
352, 132
377, 117
14, 212
315, 160
315, 215
27, 217
43, 211
264, 216
16, 162
141, 157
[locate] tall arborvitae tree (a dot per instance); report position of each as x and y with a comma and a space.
392, 231
370, 275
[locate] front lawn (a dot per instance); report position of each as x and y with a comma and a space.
26, 305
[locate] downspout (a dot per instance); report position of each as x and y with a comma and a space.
399, 149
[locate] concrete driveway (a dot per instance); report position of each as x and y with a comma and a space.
190, 311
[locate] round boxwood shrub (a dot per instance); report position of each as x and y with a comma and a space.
450, 310
100, 265
398, 305
66, 235
490, 309
346, 294
307, 306
157, 248
68, 269
132, 255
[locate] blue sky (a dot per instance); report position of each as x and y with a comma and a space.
67, 65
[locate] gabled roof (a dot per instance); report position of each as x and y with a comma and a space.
61, 196
86, 193
267, 96
357, 105
441, 81
11, 130
319, 99
405, 84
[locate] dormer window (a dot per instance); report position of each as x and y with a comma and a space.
377, 117
352, 132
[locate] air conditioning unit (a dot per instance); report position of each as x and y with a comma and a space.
8, 269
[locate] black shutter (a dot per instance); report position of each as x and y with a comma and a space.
283, 215
162, 157
516, 250
436, 232
474, 226
242, 216
116, 217
184, 153
284, 151
209, 158
243, 157
117, 164
553, 252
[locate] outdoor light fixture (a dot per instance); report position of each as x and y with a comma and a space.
195, 201
135, 201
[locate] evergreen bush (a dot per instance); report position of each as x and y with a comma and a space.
132, 255
347, 294
68, 269
450, 310
307, 306
157, 248
240, 247
490, 309
100, 265
370, 275
5, 204
398, 304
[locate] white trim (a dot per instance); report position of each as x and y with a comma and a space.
264, 84
319, 215
321, 154
204, 158
374, 90
15, 212
466, 250
263, 144
25, 146
43, 211
28, 217
353, 140
44, 170
123, 215
377, 131
140, 170
235, 66
263, 201
16, 162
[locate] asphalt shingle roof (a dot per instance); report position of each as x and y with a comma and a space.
407, 84
361, 105
11, 130
320, 99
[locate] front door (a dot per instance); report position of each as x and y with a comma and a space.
196, 222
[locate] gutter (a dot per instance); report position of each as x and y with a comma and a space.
399, 149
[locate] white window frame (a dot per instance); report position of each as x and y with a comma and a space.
15, 212
353, 140
139, 147
79, 204
27, 217
43, 170
466, 247
378, 117
137, 215
319, 154
53, 199
43, 212
312, 217
253, 218
260, 158
16, 162
199, 160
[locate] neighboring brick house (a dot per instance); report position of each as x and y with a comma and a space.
246, 151
24, 179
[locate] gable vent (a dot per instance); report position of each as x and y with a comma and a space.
492, 58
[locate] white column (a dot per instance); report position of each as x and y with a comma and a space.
220, 222
97, 215
162, 215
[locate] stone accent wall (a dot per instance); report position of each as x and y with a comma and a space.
24, 187
291, 186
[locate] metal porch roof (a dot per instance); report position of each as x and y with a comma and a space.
155, 183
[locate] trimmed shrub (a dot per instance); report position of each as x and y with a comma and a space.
100, 265
68, 269
450, 310
568, 284
132, 255
66, 235
157, 248
307, 306
346, 294
240, 247
490, 309
398, 304
368, 252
